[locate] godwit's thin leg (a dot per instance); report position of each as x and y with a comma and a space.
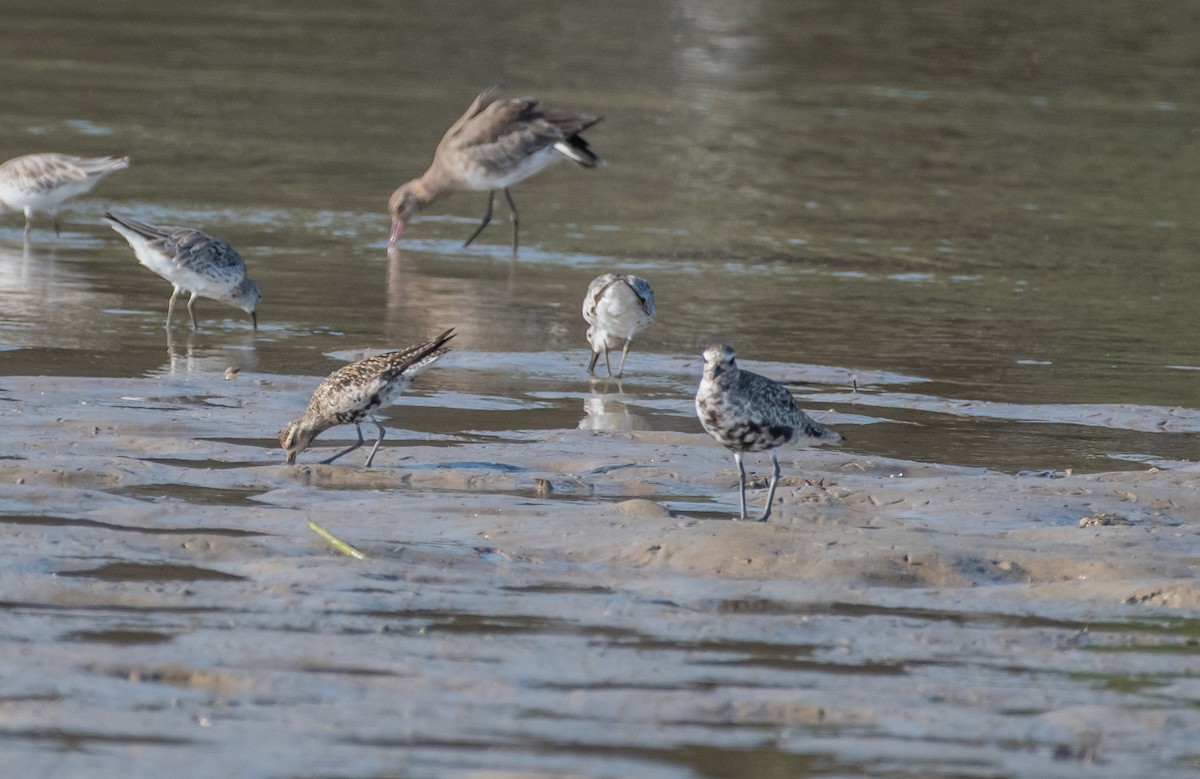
513, 217
349, 449
378, 441
487, 217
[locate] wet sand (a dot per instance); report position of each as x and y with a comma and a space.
165, 593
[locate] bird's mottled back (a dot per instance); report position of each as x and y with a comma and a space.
353, 392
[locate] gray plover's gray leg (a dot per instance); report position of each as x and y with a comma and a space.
487, 217
513, 217
192, 311
378, 441
771, 492
171, 306
607, 365
351, 448
737, 458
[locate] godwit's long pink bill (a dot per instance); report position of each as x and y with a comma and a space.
40, 182
494, 145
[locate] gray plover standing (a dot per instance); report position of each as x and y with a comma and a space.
494, 145
616, 306
40, 182
192, 261
354, 392
746, 412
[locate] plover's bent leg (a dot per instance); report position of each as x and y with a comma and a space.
771, 492
192, 311
171, 306
737, 457
487, 217
513, 217
378, 441
349, 449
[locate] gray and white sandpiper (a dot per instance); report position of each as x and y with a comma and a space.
746, 412
193, 262
354, 392
616, 307
40, 182
494, 145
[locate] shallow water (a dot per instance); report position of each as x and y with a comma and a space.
962, 234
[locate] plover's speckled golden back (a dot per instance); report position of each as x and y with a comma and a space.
746, 412
193, 262
40, 182
616, 307
352, 394
495, 144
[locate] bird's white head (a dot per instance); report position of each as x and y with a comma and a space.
719, 358
246, 296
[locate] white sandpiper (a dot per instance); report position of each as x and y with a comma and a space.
354, 392
193, 262
494, 145
746, 412
40, 182
616, 307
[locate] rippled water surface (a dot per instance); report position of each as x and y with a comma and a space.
964, 233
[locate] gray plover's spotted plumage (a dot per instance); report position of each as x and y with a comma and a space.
40, 182
354, 392
746, 412
616, 307
193, 262
494, 145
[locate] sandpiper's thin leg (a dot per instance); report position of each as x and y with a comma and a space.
737, 457
28, 221
378, 441
171, 306
607, 366
57, 226
513, 217
192, 312
592, 364
349, 449
624, 354
771, 492
487, 217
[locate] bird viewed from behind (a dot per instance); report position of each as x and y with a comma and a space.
616, 307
